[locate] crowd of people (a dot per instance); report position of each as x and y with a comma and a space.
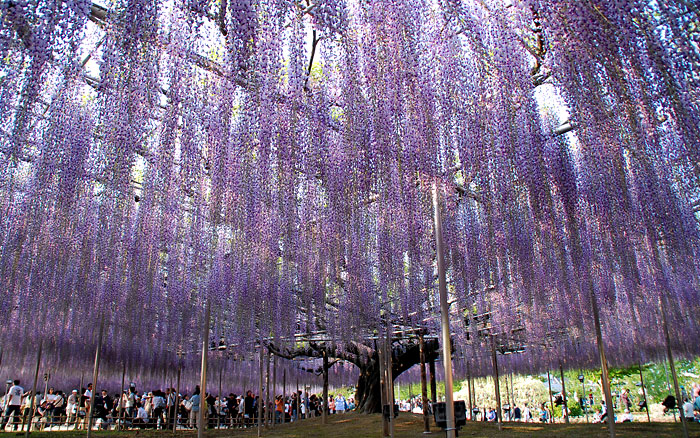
168, 409
156, 409
542, 412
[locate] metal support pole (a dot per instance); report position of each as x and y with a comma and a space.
267, 388
603, 362
274, 390
551, 402
33, 394
496, 383
221, 400
177, 398
433, 384
382, 386
203, 379
390, 382
444, 318
260, 389
565, 408
510, 407
644, 391
423, 385
324, 414
469, 389
668, 386
583, 396
672, 365
95, 373
121, 394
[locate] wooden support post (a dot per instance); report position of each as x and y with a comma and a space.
95, 374
565, 408
424, 385
203, 377
121, 396
644, 391
496, 383
551, 402
32, 404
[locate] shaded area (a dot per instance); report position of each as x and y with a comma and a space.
409, 425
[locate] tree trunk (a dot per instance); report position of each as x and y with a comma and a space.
368, 388
406, 353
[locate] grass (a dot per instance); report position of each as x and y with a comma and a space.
407, 426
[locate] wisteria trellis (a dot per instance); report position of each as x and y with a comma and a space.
204, 157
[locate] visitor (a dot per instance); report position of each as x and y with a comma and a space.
101, 409
248, 407
340, 404
603, 411
331, 405
130, 403
688, 410
517, 414
295, 406
669, 403
627, 416
491, 415
527, 414
211, 410
59, 409
159, 405
597, 416
544, 413
625, 399
351, 405
279, 409
72, 407
194, 409
13, 402
185, 411
232, 408
87, 398
141, 421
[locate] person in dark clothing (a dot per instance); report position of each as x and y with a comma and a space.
232, 408
248, 408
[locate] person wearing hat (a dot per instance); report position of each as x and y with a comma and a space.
72, 407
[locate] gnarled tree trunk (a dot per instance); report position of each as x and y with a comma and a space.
405, 354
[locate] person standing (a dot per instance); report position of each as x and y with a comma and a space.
194, 412
13, 402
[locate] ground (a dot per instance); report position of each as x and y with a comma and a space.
410, 426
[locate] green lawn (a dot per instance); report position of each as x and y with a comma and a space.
408, 425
